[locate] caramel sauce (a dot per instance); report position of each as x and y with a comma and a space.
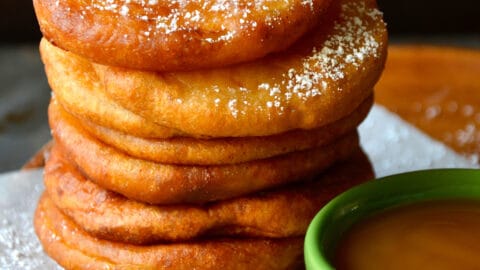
437, 89
427, 235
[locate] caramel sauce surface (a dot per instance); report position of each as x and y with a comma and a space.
427, 235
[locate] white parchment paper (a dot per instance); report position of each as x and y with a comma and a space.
395, 146
19, 247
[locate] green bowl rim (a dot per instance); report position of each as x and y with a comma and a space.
314, 254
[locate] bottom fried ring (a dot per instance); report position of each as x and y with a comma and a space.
285, 212
72, 248
158, 183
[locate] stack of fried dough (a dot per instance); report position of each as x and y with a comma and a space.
201, 134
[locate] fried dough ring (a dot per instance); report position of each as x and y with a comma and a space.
182, 150
285, 212
72, 248
79, 94
158, 183
170, 35
319, 80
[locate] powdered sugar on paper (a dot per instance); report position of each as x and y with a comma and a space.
19, 246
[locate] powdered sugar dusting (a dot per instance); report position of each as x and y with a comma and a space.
225, 19
19, 246
352, 44
464, 136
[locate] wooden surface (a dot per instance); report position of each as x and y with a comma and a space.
437, 89
38, 160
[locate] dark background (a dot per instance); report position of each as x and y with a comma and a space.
404, 17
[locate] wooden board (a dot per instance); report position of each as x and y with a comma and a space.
437, 89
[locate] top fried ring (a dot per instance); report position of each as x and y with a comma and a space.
322, 78
168, 35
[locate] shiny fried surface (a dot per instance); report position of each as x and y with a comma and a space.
162, 183
76, 86
217, 151
167, 35
319, 80
283, 212
72, 248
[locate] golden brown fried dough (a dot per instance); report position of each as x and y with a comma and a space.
217, 151
319, 80
79, 94
158, 183
285, 212
72, 248
316, 82
167, 35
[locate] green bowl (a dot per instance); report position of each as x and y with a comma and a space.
339, 214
